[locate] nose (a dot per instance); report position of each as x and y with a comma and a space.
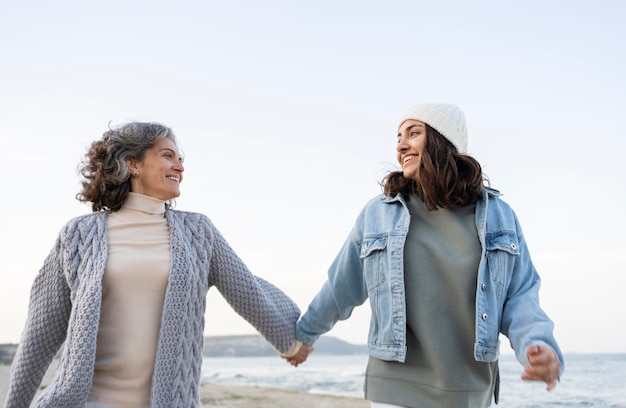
402, 144
179, 167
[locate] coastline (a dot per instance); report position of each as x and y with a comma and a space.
234, 396
259, 397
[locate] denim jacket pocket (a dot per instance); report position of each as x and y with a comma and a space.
502, 251
373, 258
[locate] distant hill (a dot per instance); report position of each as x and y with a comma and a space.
240, 346
255, 345
7, 351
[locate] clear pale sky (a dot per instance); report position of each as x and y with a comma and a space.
287, 115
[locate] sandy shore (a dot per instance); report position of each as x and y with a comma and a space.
238, 396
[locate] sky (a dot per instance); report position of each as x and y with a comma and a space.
287, 114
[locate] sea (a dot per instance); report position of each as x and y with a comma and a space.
589, 380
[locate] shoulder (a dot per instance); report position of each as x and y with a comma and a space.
495, 202
187, 216
79, 234
381, 215
85, 223
500, 215
190, 221
382, 204
381, 201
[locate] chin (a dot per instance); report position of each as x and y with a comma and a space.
171, 197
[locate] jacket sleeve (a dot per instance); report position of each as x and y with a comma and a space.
44, 331
272, 313
344, 290
524, 322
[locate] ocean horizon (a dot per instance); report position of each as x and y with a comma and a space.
589, 380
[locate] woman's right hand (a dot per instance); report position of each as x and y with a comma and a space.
301, 356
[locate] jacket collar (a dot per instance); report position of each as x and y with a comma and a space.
485, 193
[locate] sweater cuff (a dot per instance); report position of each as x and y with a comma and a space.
293, 350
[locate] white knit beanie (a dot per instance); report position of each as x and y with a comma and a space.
447, 119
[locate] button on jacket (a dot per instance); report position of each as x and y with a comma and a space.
370, 265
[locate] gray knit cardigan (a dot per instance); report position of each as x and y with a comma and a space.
65, 308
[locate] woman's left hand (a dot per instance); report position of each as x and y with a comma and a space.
544, 366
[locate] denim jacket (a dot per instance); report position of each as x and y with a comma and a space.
371, 265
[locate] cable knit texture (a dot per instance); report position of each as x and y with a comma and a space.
65, 307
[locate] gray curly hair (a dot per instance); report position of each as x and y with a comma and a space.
105, 165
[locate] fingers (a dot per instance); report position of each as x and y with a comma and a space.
551, 385
303, 353
550, 382
544, 366
301, 356
292, 361
533, 351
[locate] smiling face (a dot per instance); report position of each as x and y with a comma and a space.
159, 173
411, 142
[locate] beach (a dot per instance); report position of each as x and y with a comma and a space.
213, 395
246, 396
590, 380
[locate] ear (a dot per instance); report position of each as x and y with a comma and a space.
132, 164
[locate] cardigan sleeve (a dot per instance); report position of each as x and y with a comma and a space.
44, 331
272, 313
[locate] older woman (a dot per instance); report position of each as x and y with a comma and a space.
124, 287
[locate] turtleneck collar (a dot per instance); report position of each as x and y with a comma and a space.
144, 203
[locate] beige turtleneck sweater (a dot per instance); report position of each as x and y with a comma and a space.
133, 291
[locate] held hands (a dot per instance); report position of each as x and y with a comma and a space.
300, 356
544, 366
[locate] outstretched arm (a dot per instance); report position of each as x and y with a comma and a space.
263, 305
526, 324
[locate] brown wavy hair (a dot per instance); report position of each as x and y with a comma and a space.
105, 165
445, 177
